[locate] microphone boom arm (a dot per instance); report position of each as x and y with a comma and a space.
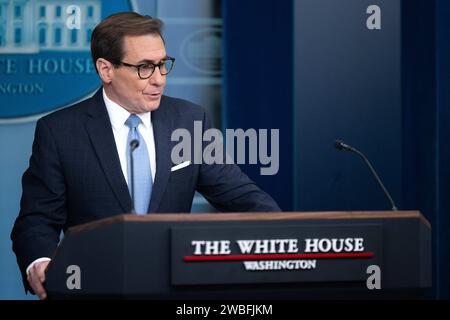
340, 145
133, 145
394, 207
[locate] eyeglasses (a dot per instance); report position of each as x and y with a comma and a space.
146, 70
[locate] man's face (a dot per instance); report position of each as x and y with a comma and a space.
126, 88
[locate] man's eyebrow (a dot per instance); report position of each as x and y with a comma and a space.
146, 61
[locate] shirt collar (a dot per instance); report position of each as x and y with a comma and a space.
118, 115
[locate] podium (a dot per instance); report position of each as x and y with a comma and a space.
286, 255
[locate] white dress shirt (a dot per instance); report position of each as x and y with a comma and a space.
118, 116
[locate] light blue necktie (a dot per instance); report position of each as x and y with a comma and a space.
142, 169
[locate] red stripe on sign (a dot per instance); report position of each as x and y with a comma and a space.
280, 256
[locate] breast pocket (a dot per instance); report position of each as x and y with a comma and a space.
181, 172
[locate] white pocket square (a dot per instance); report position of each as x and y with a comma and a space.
180, 166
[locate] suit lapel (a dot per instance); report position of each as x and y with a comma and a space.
162, 127
101, 135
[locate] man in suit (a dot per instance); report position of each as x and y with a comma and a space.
80, 166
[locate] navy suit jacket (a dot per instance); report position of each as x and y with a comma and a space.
74, 175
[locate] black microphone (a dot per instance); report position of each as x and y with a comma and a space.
340, 145
133, 145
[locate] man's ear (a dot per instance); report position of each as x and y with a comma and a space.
105, 70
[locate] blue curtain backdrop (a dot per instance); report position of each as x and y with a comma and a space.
258, 82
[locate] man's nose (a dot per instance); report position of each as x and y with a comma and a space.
157, 78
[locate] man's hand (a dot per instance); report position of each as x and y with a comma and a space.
36, 278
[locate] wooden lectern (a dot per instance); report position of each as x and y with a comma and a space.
288, 255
